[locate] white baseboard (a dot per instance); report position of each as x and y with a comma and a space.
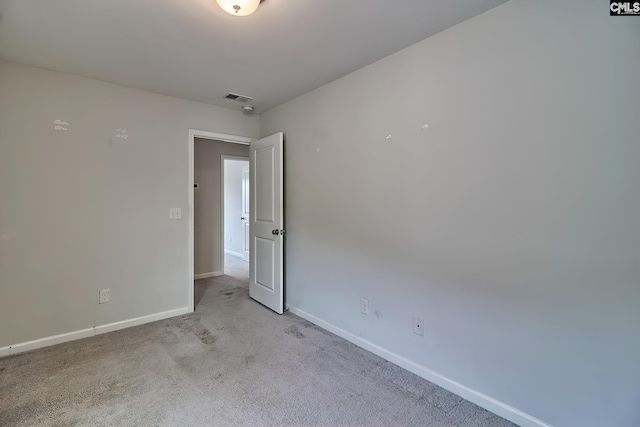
490, 404
236, 254
85, 333
207, 275
103, 329
46, 342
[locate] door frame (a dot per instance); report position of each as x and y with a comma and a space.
224, 157
193, 134
246, 209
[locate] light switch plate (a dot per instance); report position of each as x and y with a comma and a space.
175, 213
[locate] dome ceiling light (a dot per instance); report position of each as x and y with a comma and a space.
239, 7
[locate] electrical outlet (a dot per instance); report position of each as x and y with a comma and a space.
105, 296
418, 325
175, 213
364, 306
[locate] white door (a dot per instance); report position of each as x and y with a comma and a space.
245, 213
266, 275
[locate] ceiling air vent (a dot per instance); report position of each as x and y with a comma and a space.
239, 98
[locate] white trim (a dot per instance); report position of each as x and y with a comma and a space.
207, 275
232, 253
490, 404
190, 267
86, 333
193, 134
102, 329
46, 342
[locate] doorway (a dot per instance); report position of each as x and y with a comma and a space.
236, 213
216, 259
267, 232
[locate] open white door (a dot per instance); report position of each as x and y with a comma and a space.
266, 275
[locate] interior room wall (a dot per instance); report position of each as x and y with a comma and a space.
509, 222
233, 224
207, 200
86, 207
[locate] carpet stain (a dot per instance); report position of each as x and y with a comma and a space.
293, 330
192, 323
306, 323
204, 334
248, 360
234, 292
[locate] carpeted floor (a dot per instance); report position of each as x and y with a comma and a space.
231, 363
236, 267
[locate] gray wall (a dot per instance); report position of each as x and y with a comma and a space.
82, 210
233, 225
207, 201
511, 224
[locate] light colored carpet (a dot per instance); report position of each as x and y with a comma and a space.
235, 267
231, 363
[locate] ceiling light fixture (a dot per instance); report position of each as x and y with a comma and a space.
239, 7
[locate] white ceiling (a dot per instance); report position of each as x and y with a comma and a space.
192, 49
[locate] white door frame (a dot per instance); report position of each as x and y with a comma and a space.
193, 134
224, 157
246, 210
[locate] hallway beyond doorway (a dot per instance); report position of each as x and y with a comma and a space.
236, 267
